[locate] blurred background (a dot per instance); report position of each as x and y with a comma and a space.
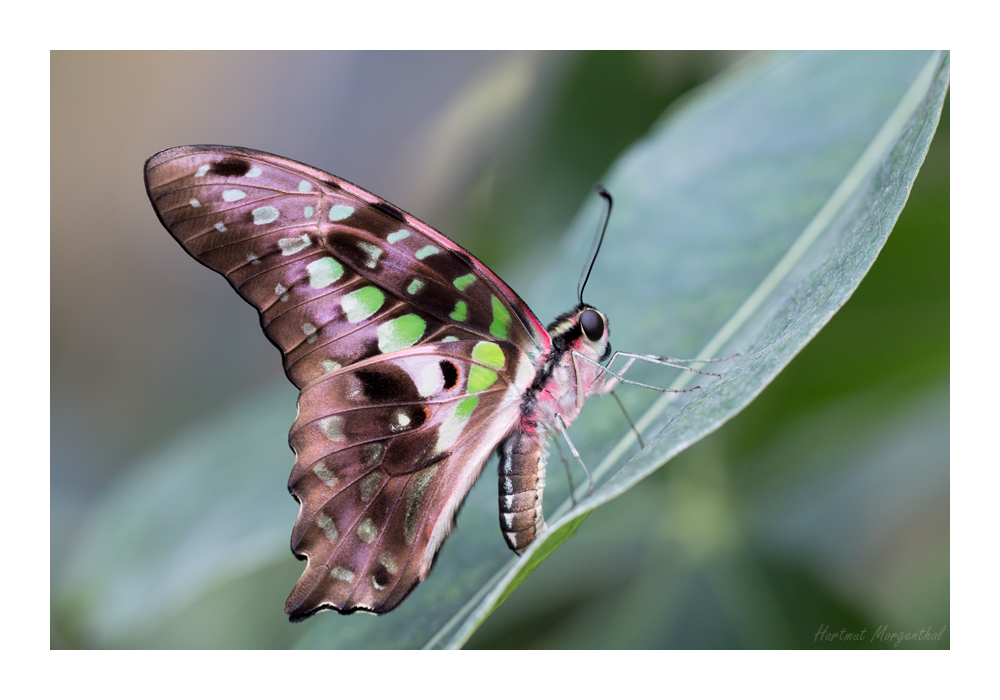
826, 502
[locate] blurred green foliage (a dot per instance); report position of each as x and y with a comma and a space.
870, 388
603, 102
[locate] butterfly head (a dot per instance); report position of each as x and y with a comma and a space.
585, 330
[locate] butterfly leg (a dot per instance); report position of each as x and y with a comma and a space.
635, 430
572, 448
604, 382
610, 383
569, 475
608, 387
673, 361
710, 359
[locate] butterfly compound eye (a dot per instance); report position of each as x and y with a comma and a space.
592, 324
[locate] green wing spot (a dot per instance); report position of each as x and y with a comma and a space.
426, 251
400, 333
362, 304
466, 406
480, 379
464, 281
397, 236
324, 272
501, 319
489, 354
460, 313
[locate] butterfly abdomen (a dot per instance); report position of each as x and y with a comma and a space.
522, 480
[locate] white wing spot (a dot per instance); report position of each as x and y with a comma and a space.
265, 215
291, 246
233, 195
305, 186
509, 517
415, 286
201, 171
386, 560
342, 574
308, 211
428, 379
370, 484
253, 172
512, 538
220, 227
509, 501
332, 428
367, 530
508, 485
426, 252
310, 331
328, 526
372, 251
398, 236
339, 212
449, 339
328, 477
331, 365
280, 289
402, 420
252, 259
194, 203
373, 453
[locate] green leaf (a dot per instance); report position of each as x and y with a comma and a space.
552, 542
742, 222
779, 184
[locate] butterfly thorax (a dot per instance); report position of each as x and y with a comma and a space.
565, 378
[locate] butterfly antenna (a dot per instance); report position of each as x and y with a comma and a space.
596, 247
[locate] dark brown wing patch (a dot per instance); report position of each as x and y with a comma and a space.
385, 452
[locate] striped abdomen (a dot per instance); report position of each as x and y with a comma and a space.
522, 480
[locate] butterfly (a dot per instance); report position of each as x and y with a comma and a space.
415, 363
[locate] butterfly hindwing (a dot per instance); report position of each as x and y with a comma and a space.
386, 450
338, 274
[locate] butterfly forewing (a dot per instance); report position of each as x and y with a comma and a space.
337, 274
412, 357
